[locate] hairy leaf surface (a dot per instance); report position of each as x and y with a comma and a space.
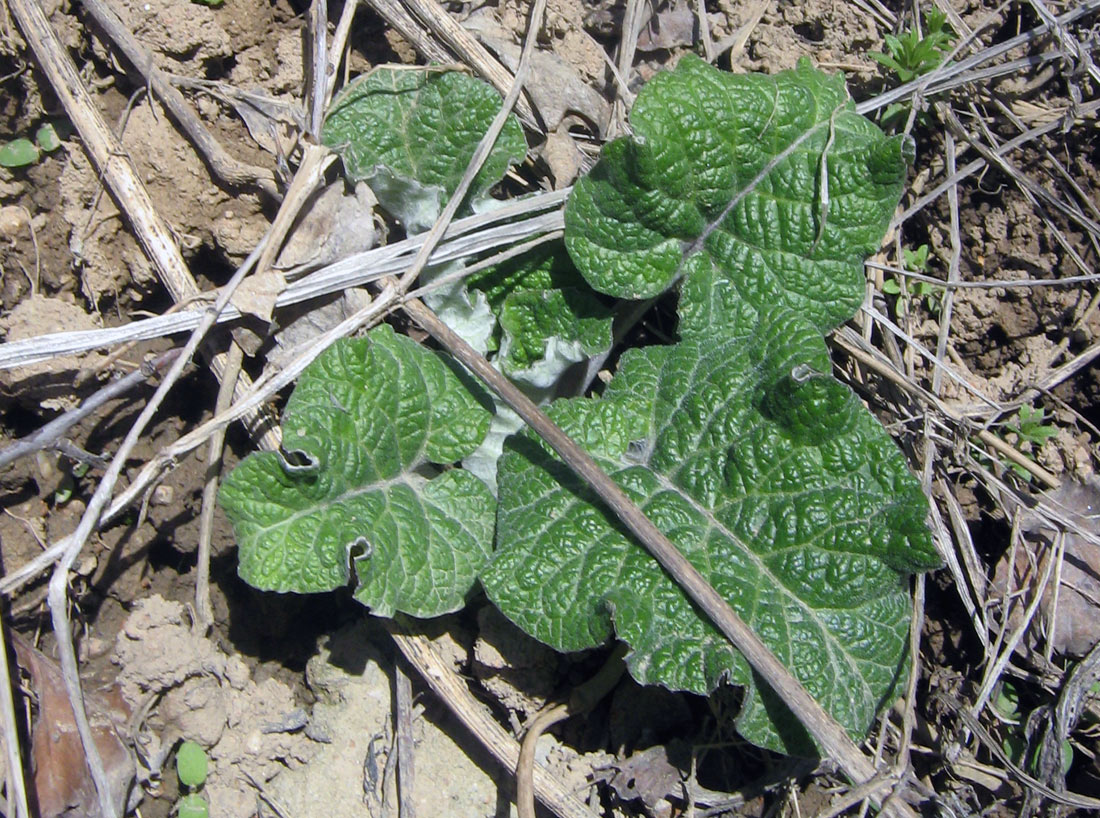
774, 184
367, 420
781, 488
548, 315
410, 133
761, 196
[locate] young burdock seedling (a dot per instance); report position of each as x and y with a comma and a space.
756, 199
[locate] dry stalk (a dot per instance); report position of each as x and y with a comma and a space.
108, 157
221, 164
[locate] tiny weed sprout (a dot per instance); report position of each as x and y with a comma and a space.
910, 55
19, 153
191, 765
756, 198
192, 806
915, 261
1031, 434
1030, 427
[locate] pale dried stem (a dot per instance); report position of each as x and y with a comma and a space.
15, 785
109, 158
1004, 651
473, 235
49, 434
403, 716
446, 684
339, 43
525, 765
204, 611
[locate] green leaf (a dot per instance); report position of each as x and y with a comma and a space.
724, 174
193, 806
18, 153
549, 317
47, 138
191, 764
772, 479
410, 133
369, 426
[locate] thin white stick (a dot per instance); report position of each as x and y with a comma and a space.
481, 152
17, 787
466, 239
58, 597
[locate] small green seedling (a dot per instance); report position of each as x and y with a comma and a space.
191, 767
1030, 428
910, 56
193, 806
19, 153
1031, 433
915, 261
1015, 742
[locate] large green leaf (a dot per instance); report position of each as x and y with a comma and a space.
772, 479
410, 133
724, 171
761, 196
367, 421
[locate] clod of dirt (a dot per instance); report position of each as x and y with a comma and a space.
49, 383
177, 34
62, 783
673, 25
352, 681
653, 776
1072, 622
250, 730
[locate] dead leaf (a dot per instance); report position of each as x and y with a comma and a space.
673, 25
555, 86
333, 225
653, 776
562, 157
62, 782
257, 293
1072, 622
